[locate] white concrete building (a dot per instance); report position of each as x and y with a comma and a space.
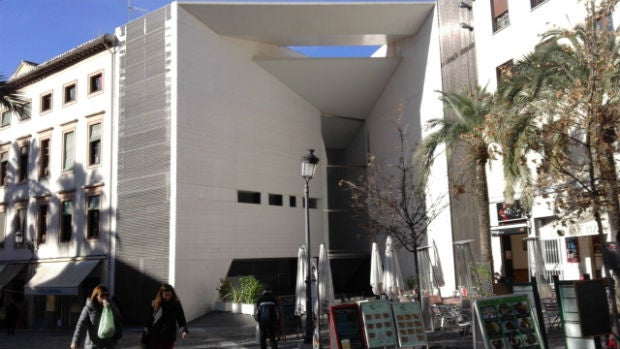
205, 113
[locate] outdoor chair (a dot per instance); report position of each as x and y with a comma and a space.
450, 317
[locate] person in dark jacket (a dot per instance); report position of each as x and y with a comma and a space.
88, 322
268, 317
166, 318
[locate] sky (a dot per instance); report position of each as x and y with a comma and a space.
39, 30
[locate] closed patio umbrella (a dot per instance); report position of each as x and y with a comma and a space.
326, 284
376, 270
393, 283
300, 283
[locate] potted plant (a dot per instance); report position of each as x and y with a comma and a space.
251, 290
236, 298
224, 290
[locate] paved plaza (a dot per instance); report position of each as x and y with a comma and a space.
219, 330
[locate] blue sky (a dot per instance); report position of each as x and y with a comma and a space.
38, 30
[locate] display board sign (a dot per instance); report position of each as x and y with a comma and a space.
378, 324
508, 322
347, 326
409, 324
593, 307
289, 323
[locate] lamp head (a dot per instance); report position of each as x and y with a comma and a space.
308, 165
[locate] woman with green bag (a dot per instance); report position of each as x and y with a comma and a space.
95, 328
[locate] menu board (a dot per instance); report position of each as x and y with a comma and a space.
347, 325
409, 324
378, 323
508, 322
289, 323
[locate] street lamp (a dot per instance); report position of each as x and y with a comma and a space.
308, 167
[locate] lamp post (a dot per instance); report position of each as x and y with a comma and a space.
308, 167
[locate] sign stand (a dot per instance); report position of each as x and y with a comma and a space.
506, 322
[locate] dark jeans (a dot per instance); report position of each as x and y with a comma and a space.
268, 330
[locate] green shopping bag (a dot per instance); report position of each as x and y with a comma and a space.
106, 323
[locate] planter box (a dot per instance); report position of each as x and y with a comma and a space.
247, 309
236, 308
222, 306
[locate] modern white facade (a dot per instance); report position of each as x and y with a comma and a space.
205, 115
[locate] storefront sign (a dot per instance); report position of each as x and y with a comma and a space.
409, 324
378, 324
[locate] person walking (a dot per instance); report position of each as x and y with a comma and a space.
11, 316
88, 323
268, 317
164, 320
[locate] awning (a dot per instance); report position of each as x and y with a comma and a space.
8, 272
59, 278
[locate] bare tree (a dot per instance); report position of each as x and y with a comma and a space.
392, 203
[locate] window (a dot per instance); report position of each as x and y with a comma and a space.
20, 223
44, 157
4, 165
70, 91
6, 119
503, 73
2, 224
42, 220
292, 201
66, 219
275, 200
534, 3
24, 150
46, 102
499, 9
248, 197
551, 251
68, 155
95, 83
92, 216
94, 144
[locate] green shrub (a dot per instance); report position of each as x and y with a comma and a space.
225, 289
251, 289
235, 294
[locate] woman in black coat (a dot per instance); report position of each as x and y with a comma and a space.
164, 321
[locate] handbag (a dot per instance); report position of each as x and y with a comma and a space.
106, 323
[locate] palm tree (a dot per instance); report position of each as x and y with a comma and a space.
566, 100
10, 98
465, 133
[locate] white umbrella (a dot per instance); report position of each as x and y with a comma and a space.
300, 284
376, 271
392, 279
326, 284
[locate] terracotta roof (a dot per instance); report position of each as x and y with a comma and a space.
65, 60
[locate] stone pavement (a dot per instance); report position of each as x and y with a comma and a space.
219, 330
